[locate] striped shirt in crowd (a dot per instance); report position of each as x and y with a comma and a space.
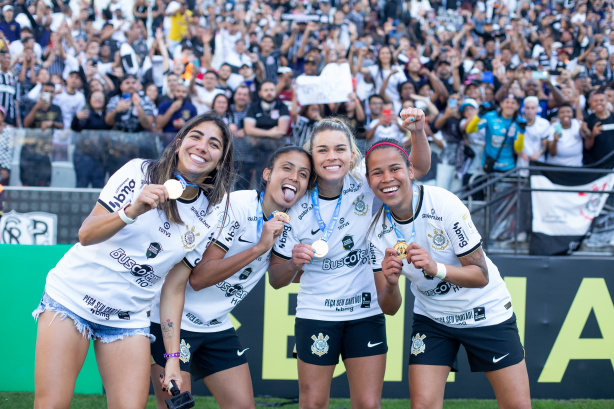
9, 90
6, 147
301, 130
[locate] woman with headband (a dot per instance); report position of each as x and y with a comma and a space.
143, 232
426, 234
337, 310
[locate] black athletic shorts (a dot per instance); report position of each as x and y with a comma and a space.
321, 342
202, 353
488, 348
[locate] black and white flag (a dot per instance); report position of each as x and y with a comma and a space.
562, 220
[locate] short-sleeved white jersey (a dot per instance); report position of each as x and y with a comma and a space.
445, 229
207, 310
340, 285
114, 282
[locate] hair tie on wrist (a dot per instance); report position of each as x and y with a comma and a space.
172, 355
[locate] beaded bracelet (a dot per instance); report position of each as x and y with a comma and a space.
173, 355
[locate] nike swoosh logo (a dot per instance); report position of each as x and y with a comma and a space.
370, 345
239, 353
314, 231
495, 360
243, 241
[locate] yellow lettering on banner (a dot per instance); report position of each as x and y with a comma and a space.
517, 287
278, 326
235, 322
395, 329
593, 295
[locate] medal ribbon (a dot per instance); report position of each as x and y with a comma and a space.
183, 182
315, 200
414, 202
260, 215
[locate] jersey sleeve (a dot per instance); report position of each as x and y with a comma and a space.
377, 244
119, 190
463, 235
376, 254
286, 242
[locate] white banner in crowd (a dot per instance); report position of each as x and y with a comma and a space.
334, 84
567, 214
28, 228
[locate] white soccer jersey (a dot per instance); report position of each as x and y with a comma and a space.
340, 285
114, 282
207, 310
444, 228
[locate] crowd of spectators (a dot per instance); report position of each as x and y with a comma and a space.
485, 73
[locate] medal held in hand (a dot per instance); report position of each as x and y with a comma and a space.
283, 215
175, 190
401, 245
321, 246
175, 187
401, 248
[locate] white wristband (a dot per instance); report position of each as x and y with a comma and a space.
441, 271
122, 215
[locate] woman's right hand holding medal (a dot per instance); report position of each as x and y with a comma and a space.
302, 254
392, 266
150, 197
271, 230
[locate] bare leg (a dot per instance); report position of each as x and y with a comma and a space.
156, 371
314, 385
366, 378
124, 367
427, 384
60, 353
511, 386
232, 388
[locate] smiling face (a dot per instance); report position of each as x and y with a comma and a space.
332, 155
390, 178
288, 179
199, 153
565, 116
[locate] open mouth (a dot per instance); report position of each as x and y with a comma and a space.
332, 167
289, 192
197, 159
388, 191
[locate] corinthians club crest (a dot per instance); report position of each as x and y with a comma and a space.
417, 344
184, 349
439, 241
189, 238
320, 346
360, 207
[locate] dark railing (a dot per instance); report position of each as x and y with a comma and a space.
503, 192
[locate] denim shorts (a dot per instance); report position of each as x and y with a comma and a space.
89, 329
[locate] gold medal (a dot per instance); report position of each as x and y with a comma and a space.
174, 188
282, 215
321, 248
401, 248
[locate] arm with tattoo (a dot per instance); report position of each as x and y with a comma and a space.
172, 298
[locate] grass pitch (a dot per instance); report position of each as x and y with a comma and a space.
18, 400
